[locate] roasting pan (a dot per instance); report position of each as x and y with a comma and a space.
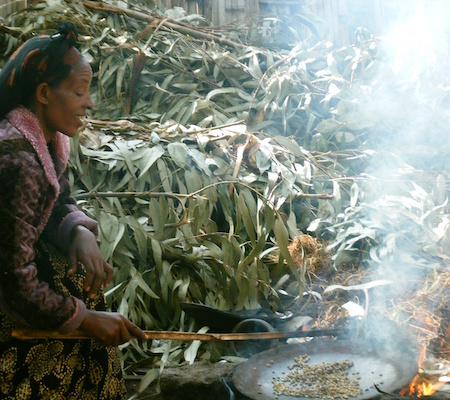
389, 367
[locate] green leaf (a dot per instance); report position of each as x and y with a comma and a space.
200, 159
328, 126
345, 137
188, 87
178, 152
354, 194
246, 218
119, 79
143, 285
191, 352
149, 157
282, 238
149, 377
157, 253
235, 91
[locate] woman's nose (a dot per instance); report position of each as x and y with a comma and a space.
89, 102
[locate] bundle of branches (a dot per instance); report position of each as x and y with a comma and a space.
204, 156
150, 68
186, 213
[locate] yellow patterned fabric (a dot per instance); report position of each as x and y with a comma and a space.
58, 369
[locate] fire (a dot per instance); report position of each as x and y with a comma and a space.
421, 385
420, 388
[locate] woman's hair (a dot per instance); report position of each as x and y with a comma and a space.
40, 59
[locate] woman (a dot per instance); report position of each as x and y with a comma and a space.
51, 269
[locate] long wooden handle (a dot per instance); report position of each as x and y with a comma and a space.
29, 334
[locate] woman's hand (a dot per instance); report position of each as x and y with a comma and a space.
84, 249
111, 329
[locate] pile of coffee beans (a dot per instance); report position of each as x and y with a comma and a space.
324, 381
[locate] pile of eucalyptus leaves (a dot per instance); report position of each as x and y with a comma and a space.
207, 153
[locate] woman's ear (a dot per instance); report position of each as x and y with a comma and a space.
42, 92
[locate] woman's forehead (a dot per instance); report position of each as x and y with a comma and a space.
81, 70
81, 75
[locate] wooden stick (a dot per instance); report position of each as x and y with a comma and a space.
29, 334
177, 26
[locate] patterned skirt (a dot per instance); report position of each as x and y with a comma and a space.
59, 369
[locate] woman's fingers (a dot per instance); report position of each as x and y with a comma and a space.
111, 329
73, 262
84, 249
109, 273
98, 278
125, 334
98, 273
90, 272
135, 331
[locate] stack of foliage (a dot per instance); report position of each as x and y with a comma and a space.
207, 154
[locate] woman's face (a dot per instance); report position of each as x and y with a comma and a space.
68, 103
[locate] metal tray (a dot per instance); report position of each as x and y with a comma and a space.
394, 366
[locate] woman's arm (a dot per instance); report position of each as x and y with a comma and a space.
75, 234
24, 297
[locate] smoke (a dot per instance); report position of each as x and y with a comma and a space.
419, 41
408, 182
413, 96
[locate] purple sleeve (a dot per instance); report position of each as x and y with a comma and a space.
23, 296
65, 216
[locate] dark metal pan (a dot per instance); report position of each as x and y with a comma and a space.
226, 321
390, 368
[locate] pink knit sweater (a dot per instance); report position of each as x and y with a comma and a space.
34, 201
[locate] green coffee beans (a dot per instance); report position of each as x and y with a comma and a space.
324, 381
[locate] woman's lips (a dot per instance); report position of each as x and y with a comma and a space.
80, 120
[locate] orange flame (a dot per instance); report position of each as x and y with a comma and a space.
420, 386
422, 356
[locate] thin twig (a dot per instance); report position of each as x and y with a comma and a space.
95, 194
177, 26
